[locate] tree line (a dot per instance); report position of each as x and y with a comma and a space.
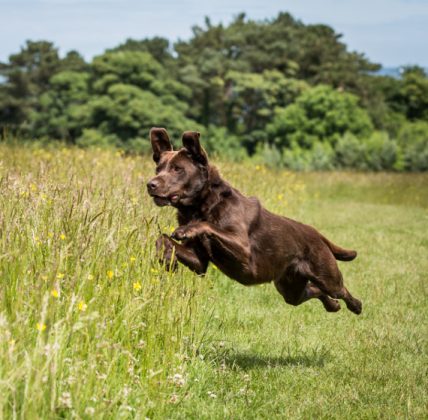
278, 91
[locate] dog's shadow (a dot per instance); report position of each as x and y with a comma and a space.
315, 358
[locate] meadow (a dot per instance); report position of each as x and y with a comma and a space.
91, 325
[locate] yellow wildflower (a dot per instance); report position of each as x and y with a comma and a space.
136, 285
90, 277
62, 237
154, 271
110, 274
82, 306
132, 259
55, 293
40, 326
60, 276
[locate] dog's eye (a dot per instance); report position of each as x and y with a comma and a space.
176, 168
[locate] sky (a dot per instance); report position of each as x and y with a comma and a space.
389, 32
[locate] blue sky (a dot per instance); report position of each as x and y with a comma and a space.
390, 32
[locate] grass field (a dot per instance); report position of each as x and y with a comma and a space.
92, 326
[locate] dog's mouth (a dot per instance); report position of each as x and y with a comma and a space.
166, 200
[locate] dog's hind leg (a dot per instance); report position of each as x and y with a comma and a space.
330, 305
353, 304
297, 290
328, 278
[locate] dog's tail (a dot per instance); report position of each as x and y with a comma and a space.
339, 253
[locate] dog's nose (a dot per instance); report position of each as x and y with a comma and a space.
152, 184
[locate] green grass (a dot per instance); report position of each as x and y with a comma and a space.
92, 326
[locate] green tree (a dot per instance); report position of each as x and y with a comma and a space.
27, 76
414, 93
62, 112
159, 48
73, 61
319, 114
131, 92
313, 53
126, 113
140, 69
250, 101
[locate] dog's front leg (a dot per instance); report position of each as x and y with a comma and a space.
170, 251
234, 245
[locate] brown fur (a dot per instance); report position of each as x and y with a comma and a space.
244, 240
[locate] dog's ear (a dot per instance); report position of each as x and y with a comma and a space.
160, 142
193, 146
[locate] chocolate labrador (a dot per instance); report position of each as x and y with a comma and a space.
244, 240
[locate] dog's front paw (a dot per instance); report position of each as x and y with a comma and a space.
186, 232
166, 252
180, 233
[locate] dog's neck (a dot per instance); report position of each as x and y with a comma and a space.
213, 192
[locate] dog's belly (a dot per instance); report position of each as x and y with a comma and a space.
243, 276
262, 267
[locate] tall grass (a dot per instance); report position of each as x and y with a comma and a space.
90, 323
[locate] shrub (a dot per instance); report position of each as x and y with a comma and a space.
377, 152
413, 142
380, 152
218, 141
319, 157
349, 152
92, 137
267, 155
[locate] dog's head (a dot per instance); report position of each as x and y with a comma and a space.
180, 175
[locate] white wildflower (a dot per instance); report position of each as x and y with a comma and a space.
65, 400
173, 399
90, 411
178, 380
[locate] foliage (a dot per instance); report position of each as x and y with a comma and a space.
414, 93
413, 141
312, 53
219, 142
63, 109
129, 112
278, 89
350, 152
251, 97
320, 114
376, 153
